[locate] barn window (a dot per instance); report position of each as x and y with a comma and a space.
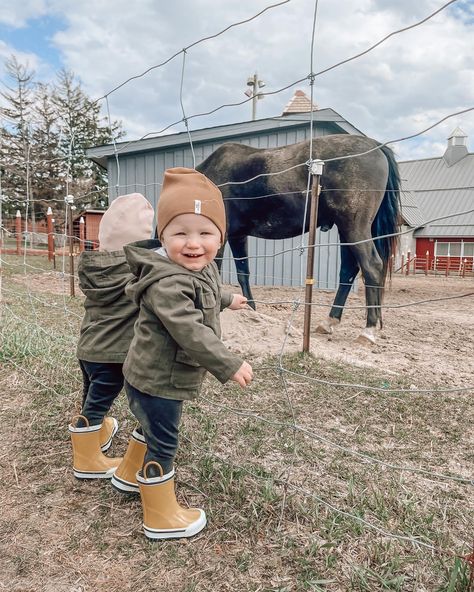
455, 249
468, 250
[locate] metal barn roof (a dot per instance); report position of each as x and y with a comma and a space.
441, 189
411, 213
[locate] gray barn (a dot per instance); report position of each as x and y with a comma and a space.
138, 166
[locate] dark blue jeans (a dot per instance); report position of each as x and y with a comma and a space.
159, 419
102, 383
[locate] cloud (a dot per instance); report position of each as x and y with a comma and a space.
408, 82
16, 14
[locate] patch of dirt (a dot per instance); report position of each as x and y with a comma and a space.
430, 342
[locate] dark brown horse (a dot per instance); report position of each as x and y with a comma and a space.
360, 195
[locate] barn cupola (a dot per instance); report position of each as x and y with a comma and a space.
299, 103
457, 147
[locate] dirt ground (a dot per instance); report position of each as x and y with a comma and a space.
430, 342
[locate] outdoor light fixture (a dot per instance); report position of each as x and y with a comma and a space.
252, 92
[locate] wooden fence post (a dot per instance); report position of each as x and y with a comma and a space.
82, 234
316, 170
18, 232
464, 265
427, 263
70, 204
49, 228
414, 264
402, 263
407, 271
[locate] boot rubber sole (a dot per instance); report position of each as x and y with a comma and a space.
108, 444
179, 533
94, 474
123, 486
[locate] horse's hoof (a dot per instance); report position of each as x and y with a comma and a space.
367, 337
327, 326
323, 330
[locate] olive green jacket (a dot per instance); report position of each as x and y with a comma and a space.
107, 326
177, 334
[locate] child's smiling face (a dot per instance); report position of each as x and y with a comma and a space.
191, 240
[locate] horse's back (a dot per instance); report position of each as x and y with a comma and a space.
219, 165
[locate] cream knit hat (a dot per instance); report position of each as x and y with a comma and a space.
129, 218
187, 191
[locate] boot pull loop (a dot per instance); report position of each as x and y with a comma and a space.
79, 416
152, 463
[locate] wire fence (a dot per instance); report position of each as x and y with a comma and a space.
25, 308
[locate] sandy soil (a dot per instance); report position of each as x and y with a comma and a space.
430, 342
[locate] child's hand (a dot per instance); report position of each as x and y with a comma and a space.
238, 302
244, 375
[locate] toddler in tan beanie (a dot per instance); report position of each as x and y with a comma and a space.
177, 337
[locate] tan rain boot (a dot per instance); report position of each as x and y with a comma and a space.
89, 462
125, 477
163, 517
107, 432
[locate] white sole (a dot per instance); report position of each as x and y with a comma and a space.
108, 444
94, 474
124, 486
179, 533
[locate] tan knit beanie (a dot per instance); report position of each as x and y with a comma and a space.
187, 191
129, 218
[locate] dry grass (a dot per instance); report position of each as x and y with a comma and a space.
288, 509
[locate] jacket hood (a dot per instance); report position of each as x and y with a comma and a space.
149, 267
103, 275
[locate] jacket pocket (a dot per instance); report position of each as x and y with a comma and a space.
183, 358
208, 300
186, 373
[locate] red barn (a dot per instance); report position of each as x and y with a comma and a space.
438, 204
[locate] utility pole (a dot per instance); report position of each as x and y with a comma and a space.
254, 84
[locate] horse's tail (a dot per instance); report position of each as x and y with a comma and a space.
388, 218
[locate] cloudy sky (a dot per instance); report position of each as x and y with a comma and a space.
411, 81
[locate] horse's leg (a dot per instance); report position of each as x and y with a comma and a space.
371, 267
219, 257
347, 274
239, 248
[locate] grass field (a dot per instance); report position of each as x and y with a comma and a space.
306, 485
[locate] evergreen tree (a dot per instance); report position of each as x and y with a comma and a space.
81, 127
45, 165
15, 134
